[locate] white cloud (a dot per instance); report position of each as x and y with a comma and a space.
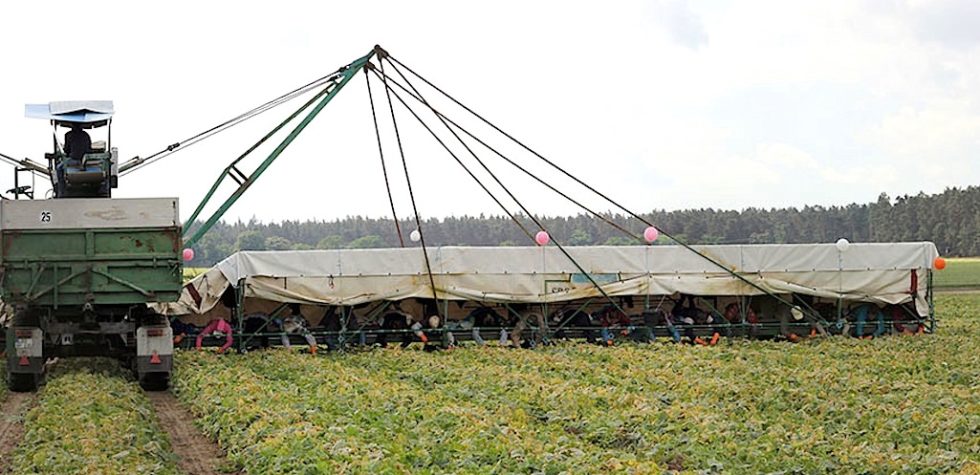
951, 23
937, 130
780, 154
680, 22
937, 143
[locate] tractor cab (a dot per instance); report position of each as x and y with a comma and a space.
83, 163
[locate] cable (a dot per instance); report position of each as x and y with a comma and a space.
209, 133
170, 149
384, 169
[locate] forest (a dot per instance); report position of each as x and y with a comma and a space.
950, 219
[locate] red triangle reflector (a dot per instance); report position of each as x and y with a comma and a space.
154, 358
24, 361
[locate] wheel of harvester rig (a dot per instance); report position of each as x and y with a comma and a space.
155, 381
22, 382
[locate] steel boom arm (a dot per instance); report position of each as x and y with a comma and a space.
344, 75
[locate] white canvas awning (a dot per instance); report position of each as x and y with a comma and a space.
889, 273
81, 112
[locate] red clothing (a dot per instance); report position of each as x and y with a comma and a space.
218, 325
613, 318
733, 314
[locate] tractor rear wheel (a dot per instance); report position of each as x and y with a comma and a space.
155, 381
22, 382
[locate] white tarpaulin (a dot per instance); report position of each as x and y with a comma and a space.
889, 273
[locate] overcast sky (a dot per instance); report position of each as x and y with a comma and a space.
662, 104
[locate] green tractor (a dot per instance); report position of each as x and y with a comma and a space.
80, 268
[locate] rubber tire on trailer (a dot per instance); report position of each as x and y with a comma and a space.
26, 318
22, 382
155, 381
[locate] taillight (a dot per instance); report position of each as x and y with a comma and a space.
155, 332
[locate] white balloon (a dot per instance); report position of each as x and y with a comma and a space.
842, 244
415, 235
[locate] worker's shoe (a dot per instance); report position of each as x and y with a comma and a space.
714, 339
313, 350
813, 332
700, 341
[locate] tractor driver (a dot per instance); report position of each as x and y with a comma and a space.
77, 142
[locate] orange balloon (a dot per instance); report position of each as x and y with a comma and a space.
939, 263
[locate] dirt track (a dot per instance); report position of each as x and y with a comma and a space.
12, 425
196, 454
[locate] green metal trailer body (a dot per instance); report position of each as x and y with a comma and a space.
72, 252
100, 266
81, 270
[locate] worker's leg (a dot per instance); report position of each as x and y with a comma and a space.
448, 339
310, 340
642, 334
515, 334
861, 317
406, 339
542, 322
879, 324
716, 328
589, 335
671, 328
606, 336
477, 338
688, 331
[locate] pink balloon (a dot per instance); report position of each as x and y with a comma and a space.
188, 254
542, 238
650, 234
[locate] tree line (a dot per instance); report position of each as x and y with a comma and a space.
950, 219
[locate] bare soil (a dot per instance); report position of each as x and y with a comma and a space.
196, 453
12, 413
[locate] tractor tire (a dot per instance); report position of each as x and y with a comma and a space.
22, 382
27, 318
155, 381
